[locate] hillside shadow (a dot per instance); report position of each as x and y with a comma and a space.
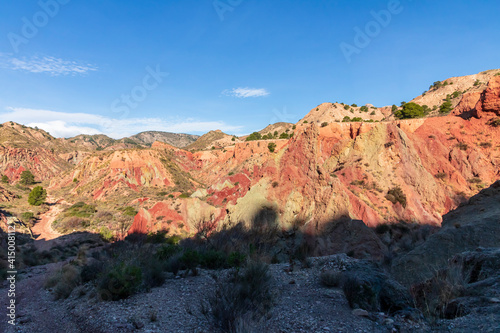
30, 252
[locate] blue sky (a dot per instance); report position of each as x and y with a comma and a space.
236, 65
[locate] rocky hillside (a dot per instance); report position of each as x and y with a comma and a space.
456, 88
120, 173
216, 139
174, 139
474, 224
24, 148
412, 170
339, 112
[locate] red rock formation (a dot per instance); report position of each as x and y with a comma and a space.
490, 99
41, 162
467, 105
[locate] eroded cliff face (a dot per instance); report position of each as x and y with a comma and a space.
123, 172
40, 161
490, 99
321, 175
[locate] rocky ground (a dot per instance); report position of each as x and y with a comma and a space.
302, 304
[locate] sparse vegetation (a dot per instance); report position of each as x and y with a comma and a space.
271, 146
245, 294
495, 122
462, 146
436, 85
441, 175
446, 107
396, 195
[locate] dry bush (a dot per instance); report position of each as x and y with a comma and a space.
244, 297
396, 195
104, 215
331, 279
434, 296
63, 281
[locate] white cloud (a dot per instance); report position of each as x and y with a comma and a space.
45, 64
65, 124
246, 92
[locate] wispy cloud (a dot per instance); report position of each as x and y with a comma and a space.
65, 124
45, 64
246, 92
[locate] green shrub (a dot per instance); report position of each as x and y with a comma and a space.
254, 136
80, 209
346, 119
271, 146
446, 107
106, 234
409, 111
167, 251
283, 135
347, 107
236, 259
364, 108
120, 282
37, 196
5, 179
191, 259
436, 85
27, 178
28, 218
324, 124
130, 211
213, 259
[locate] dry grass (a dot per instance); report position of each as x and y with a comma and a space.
331, 279
241, 299
63, 281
